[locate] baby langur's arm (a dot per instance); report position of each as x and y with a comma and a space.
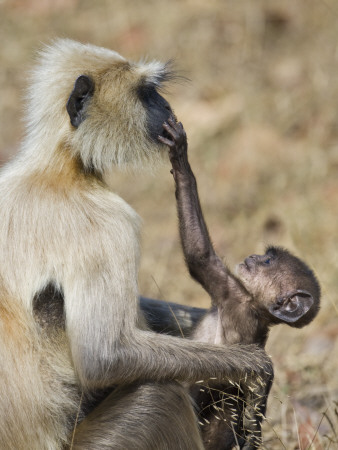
203, 263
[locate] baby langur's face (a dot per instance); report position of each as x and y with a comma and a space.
282, 284
261, 275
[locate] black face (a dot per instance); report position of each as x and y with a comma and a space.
267, 260
158, 110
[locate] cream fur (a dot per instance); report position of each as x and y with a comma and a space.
61, 223
56, 225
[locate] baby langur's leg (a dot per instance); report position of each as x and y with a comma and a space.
151, 416
256, 402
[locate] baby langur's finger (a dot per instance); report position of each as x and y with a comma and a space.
182, 131
170, 130
172, 121
165, 141
177, 126
180, 125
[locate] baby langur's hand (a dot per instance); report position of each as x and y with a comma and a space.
176, 140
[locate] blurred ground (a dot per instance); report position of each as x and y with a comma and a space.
261, 116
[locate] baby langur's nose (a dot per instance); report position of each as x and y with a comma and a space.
250, 260
253, 260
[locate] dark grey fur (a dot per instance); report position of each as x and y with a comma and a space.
269, 289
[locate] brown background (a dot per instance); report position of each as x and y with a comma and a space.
261, 116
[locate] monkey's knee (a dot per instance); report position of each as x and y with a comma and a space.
151, 416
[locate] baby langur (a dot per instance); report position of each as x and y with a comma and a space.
74, 349
267, 290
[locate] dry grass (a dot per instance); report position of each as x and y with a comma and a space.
261, 117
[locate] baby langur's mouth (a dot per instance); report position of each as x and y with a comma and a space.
245, 264
239, 267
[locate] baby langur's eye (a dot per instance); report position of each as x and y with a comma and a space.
267, 261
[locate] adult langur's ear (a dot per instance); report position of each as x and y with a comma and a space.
77, 102
292, 306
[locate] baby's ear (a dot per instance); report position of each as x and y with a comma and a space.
292, 306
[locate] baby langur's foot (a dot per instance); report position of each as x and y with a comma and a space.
177, 143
